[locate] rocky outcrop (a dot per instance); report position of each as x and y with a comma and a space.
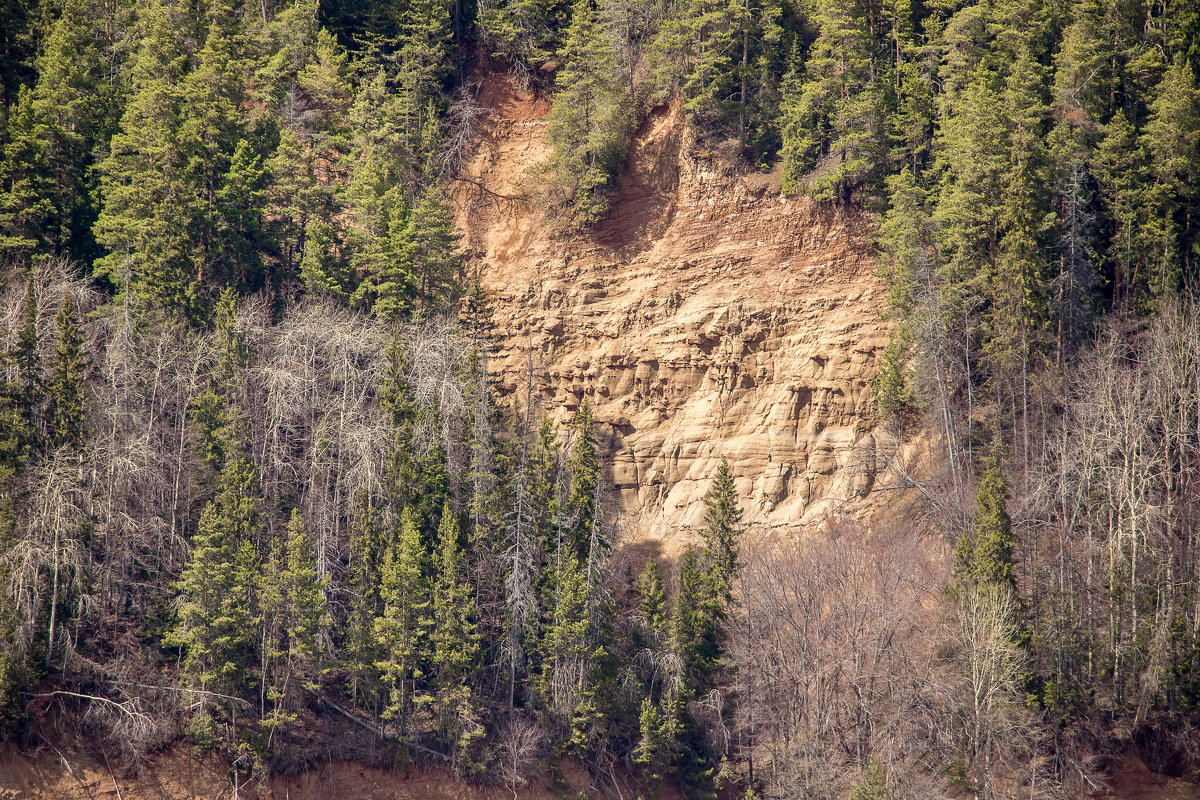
707, 317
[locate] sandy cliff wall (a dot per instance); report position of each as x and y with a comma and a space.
707, 317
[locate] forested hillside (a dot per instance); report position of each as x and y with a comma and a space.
258, 497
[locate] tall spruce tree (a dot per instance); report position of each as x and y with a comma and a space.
722, 529
985, 553
297, 619
26, 358
652, 601
1172, 140
834, 118
590, 123
694, 52
456, 645
146, 213
402, 628
369, 552
579, 511
219, 612
66, 390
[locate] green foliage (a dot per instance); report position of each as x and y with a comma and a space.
26, 359
1171, 137
368, 554
296, 617
579, 512
872, 785
833, 116
25, 207
144, 217
219, 613
895, 400
455, 640
657, 749
695, 621
427, 249
67, 375
566, 639
694, 54
46, 181
402, 628
590, 123
1034, 166
416, 470
984, 555
652, 600
722, 528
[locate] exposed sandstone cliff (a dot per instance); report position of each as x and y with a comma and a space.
707, 317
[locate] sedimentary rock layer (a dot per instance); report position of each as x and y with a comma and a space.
707, 317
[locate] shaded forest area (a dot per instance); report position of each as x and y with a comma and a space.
255, 494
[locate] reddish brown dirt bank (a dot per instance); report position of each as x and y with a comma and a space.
70, 775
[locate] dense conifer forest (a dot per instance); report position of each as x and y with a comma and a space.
257, 495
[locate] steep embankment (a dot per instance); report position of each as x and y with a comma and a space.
706, 317
52, 774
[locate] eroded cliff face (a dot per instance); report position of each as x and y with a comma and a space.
707, 317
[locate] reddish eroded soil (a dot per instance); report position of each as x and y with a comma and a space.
176, 775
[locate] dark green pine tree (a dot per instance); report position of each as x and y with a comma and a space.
590, 121
219, 616
14, 448
46, 180
147, 203
26, 206
834, 118
905, 241
566, 646
908, 264
523, 32
305, 76
388, 288
722, 529
26, 357
694, 52
1122, 171
912, 105
223, 176
544, 490
702, 603
653, 610
456, 646
240, 206
1084, 78
416, 475
426, 35
973, 161
402, 627
695, 622
428, 250
984, 555
388, 166
1172, 139
895, 399
306, 615
579, 511
657, 749
68, 370
360, 649
297, 618
1019, 309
